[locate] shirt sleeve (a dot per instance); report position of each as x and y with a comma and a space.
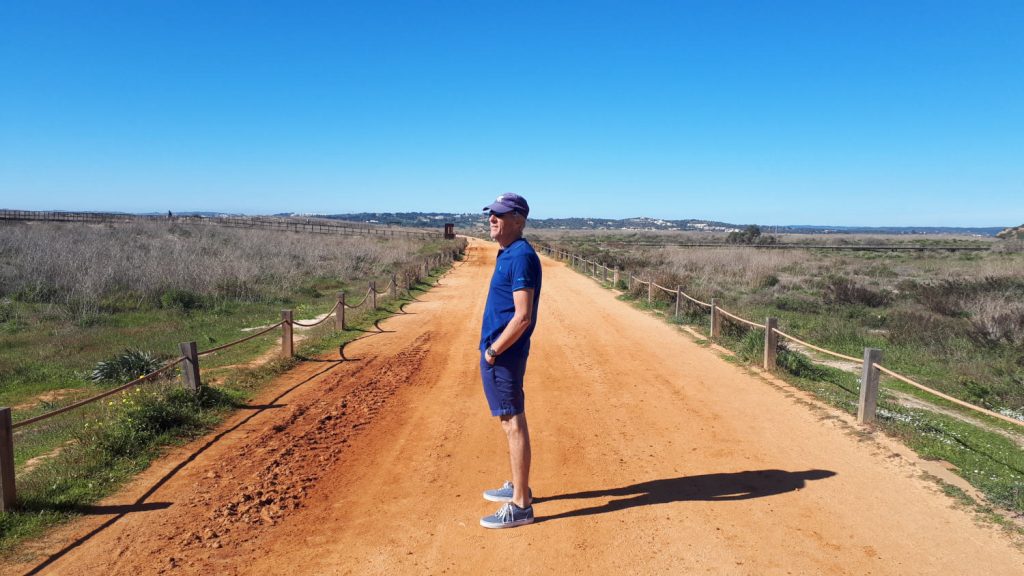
524, 272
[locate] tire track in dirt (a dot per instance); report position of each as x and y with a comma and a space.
292, 455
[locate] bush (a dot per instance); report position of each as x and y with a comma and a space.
124, 367
797, 303
921, 327
998, 319
766, 281
944, 298
750, 235
144, 415
181, 299
840, 290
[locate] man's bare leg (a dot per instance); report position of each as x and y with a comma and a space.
519, 455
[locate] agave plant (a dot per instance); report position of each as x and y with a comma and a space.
124, 366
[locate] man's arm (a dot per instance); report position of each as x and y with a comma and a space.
521, 319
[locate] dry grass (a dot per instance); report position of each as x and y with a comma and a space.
86, 268
934, 312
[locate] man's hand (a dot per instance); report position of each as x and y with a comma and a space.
523, 301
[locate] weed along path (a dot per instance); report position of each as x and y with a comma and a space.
651, 455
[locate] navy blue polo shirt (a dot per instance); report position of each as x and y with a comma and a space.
517, 268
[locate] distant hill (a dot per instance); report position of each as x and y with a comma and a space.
808, 229
477, 221
1012, 232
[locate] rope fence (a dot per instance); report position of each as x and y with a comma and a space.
665, 290
145, 378
957, 401
822, 350
361, 302
240, 340
870, 364
189, 363
318, 322
750, 323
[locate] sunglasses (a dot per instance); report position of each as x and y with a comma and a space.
493, 213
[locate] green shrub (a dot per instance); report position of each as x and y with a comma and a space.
144, 416
181, 299
797, 303
124, 367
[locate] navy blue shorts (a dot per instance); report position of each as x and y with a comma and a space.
503, 383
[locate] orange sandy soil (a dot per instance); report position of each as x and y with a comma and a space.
652, 455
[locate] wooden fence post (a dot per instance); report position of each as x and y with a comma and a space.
394, 286
629, 283
868, 404
287, 343
373, 293
615, 277
190, 366
339, 316
771, 343
716, 319
7, 495
650, 291
679, 296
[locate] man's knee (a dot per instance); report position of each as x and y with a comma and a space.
514, 423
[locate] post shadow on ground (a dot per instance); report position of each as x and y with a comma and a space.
721, 487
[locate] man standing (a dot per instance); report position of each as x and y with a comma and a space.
509, 318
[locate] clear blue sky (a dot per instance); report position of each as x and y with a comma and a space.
843, 113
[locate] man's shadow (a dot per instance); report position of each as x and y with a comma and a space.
705, 487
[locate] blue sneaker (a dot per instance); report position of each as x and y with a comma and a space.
503, 494
508, 516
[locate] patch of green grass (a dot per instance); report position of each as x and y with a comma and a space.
93, 450
121, 439
989, 461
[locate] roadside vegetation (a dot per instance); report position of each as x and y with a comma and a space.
85, 308
953, 321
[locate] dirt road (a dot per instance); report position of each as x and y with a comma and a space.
652, 455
